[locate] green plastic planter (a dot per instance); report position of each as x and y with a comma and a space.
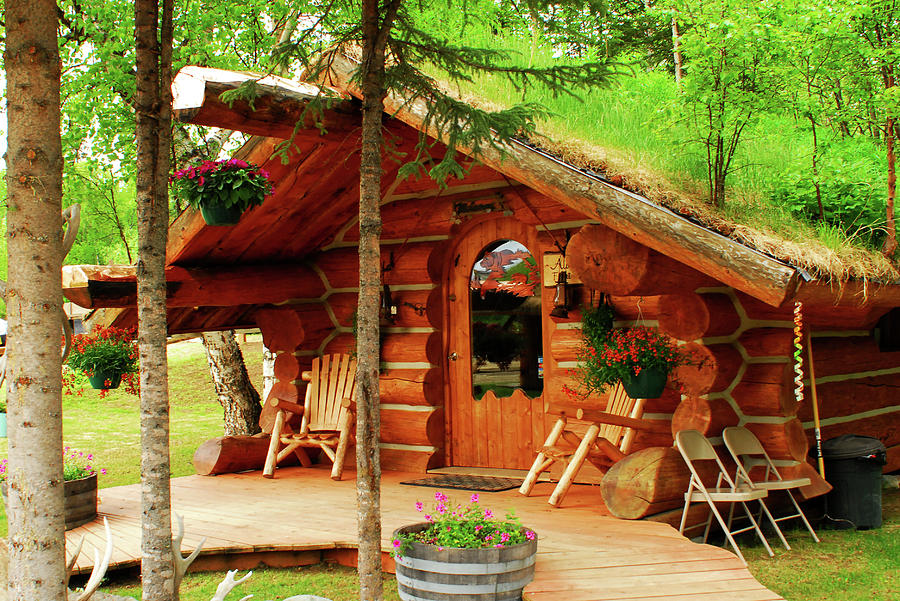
100, 377
219, 215
649, 384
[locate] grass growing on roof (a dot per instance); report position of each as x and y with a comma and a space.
630, 132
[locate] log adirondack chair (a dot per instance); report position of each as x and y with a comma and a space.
607, 440
326, 415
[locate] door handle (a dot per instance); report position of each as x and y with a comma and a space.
453, 356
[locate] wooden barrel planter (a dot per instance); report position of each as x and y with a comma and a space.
489, 574
80, 500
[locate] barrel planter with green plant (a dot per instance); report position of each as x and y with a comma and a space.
463, 553
79, 488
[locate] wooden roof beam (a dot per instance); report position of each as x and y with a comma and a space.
276, 110
652, 225
106, 286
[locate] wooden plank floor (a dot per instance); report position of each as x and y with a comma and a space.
583, 555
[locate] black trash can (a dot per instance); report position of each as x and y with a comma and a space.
853, 467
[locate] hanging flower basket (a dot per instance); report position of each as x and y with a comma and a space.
648, 384
105, 356
639, 357
222, 190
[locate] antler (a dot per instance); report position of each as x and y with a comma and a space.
71, 564
229, 583
100, 567
182, 563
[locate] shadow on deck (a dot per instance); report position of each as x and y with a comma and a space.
303, 517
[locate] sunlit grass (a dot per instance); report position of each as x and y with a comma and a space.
110, 427
637, 127
331, 581
848, 565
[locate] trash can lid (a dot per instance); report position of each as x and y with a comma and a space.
851, 446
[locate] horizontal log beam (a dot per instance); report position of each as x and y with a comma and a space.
105, 286
643, 221
603, 259
279, 105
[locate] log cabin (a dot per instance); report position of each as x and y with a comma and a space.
465, 264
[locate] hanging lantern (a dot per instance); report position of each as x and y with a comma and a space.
562, 298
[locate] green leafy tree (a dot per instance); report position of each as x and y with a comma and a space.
729, 82
876, 64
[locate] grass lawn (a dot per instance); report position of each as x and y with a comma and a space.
847, 565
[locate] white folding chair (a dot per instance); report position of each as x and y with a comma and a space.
748, 453
695, 448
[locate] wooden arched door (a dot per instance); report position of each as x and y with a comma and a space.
494, 347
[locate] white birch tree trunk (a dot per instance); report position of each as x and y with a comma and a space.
34, 303
234, 390
154, 123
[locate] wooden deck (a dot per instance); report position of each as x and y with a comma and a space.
303, 517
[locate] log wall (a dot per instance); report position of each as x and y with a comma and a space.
743, 347
420, 224
747, 374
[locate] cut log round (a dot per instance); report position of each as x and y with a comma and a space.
817, 485
282, 390
606, 260
712, 369
689, 316
411, 348
646, 482
281, 328
287, 367
229, 454
707, 416
782, 441
434, 307
565, 344
411, 460
420, 428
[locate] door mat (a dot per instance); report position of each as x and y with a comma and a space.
476, 483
